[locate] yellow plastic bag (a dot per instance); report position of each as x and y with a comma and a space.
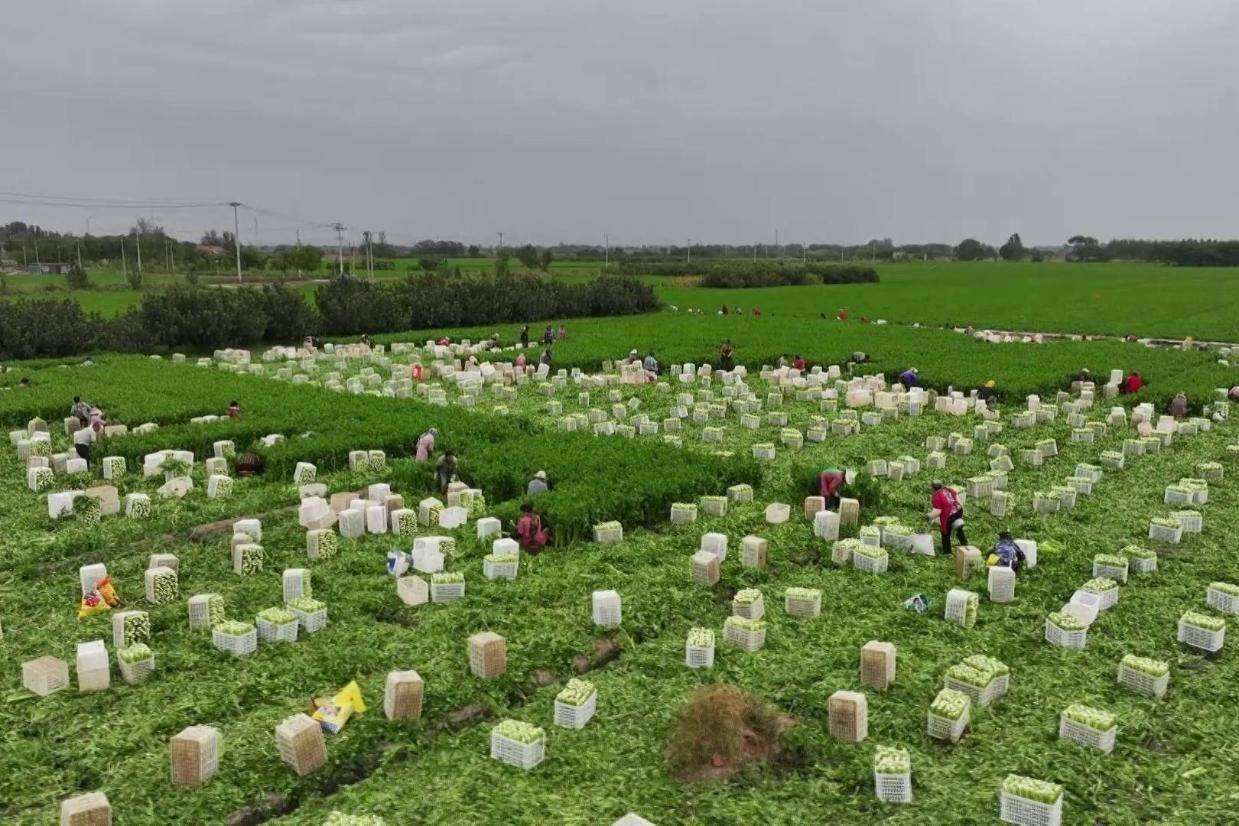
991, 560
334, 713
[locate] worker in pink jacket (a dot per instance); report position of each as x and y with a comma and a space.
950, 515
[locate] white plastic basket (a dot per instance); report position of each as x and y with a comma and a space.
801, 607
944, 728
237, 646
893, 788
1101, 569
699, 656
446, 591
869, 564
1140, 565
1165, 533
1201, 639
754, 610
956, 609
978, 696
1024, 812
311, 621
514, 753
1076, 732
134, 673
575, 717
1105, 599
270, 632
1074, 640
745, 640
1142, 683
500, 570
1222, 601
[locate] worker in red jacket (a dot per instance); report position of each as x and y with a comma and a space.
950, 515
830, 481
1133, 383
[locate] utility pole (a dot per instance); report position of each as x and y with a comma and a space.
873, 252
690, 250
137, 239
79, 256
606, 240
369, 254
352, 260
500, 247
37, 262
236, 236
88, 217
778, 253
339, 228
804, 254
124, 265
754, 253
257, 242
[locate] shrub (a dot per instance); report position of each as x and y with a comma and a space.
721, 730
736, 273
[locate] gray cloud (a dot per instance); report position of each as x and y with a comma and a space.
653, 121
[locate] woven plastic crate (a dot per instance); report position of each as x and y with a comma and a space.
1222, 601
1076, 732
236, 645
1201, 639
500, 570
514, 753
893, 788
1024, 812
744, 639
1001, 584
699, 656
575, 717
134, 673
1105, 599
1142, 683
200, 611
752, 610
1189, 521
956, 610
607, 609
1074, 640
1142, 565
311, 621
847, 716
944, 728
979, 696
446, 591
270, 632
1118, 574
869, 564
803, 607
45, 676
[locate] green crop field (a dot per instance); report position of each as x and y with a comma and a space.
1115, 299
1174, 761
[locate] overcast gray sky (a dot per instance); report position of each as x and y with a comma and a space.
653, 120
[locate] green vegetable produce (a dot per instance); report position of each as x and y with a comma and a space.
136, 653
1029, 788
949, 704
1151, 668
1205, 621
891, 760
1095, 718
519, 731
576, 693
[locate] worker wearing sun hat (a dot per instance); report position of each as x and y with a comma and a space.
988, 393
537, 484
910, 377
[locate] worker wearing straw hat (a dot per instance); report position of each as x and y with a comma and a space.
537, 484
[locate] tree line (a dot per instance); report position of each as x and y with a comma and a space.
208, 318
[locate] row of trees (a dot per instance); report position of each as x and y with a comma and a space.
207, 318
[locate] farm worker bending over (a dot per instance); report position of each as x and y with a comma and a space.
521, 361
1178, 405
1007, 553
525, 336
81, 410
445, 470
950, 515
724, 356
988, 393
415, 372
545, 358
829, 482
97, 422
563, 333
426, 445
651, 366
234, 409
910, 378
1132, 383
537, 484
530, 534
1233, 395
799, 363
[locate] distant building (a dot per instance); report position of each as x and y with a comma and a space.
48, 268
